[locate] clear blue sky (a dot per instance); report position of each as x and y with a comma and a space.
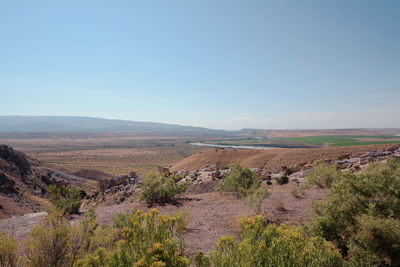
220, 64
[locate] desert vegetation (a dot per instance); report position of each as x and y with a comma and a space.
361, 215
66, 199
243, 182
162, 189
263, 244
357, 225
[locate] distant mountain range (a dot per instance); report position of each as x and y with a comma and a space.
87, 124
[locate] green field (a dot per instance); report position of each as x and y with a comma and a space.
343, 140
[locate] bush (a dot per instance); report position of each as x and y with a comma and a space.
284, 179
202, 260
323, 176
362, 215
8, 250
255, 200
56, 243
160, 189
65, 199
241, 180
272, 245
147, 240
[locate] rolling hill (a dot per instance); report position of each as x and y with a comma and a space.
88, 124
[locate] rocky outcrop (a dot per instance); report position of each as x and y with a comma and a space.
18, 159
211, 173
7, 186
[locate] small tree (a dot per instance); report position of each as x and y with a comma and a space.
160, 189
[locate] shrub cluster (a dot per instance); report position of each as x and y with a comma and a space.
362, 215
283, 179
241, 180
56, 242
270, 245
323, 176
147, 240
65, 199
358, 225
246, 184
162, 189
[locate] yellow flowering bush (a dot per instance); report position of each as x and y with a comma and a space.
271, 245
148, 240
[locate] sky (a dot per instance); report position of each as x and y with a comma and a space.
222, 64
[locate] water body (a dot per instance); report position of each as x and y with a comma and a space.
233, 146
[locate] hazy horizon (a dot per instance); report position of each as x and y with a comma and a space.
215, 64
184, 125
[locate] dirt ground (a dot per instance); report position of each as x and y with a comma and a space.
272, 159
210, 216
213, 215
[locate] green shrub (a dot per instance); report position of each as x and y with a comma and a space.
284, 179
202, 260
323, 176
255, 200
271, 245
241, 180
65, 199
8, 250
147, 240
56, 242
160, 189
362, 215
287, 171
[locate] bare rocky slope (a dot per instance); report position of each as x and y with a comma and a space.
24, 183
273, 159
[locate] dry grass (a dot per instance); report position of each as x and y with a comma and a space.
116, 161
113, 155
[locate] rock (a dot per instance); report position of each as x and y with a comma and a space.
210, 168
132, 175
257, 171
344, 156
17, 158
216, 174
6, 185
307, 167
164, 171
182, 173
37, 192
